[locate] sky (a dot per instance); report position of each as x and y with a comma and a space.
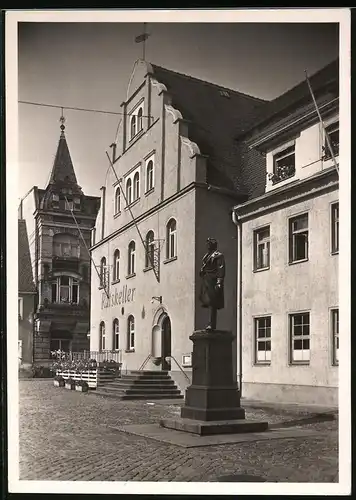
88, 65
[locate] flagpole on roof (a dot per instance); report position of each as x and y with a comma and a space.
142, 39
322, 123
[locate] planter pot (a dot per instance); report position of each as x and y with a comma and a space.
58, 383
80, 388
69, 386
157, 361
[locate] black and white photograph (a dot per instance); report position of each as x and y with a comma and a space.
176, 249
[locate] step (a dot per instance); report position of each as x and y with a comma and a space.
144, 379
142, 387
135, 396
144, 382
139, 390
148, 372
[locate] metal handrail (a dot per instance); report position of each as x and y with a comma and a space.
145, 362
181, 369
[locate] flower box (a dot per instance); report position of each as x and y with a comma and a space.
81, 388
58, 383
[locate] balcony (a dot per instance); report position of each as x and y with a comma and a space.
98, 356
64, 308
65, 264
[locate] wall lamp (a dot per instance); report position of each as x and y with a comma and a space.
159, 299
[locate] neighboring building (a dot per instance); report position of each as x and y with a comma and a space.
26, 299
60, 259
289, 250
178, 176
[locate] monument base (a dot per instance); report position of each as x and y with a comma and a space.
203, 428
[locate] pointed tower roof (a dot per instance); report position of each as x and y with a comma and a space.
63, 170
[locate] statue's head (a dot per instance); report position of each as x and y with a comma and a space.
212, 244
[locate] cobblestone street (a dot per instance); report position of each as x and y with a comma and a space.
66, 435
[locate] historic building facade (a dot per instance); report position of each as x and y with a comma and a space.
60, 219
26, 299
288, 316
177, 176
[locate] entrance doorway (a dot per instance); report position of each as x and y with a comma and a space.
166, 343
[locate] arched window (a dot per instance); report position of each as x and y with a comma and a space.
103, 272
133, 126
139, 120
117, 201
129, 191
131, 333
116, 335
131, 258
149, 175
136, 183
102, 345
171, 241
150, 249
116, 271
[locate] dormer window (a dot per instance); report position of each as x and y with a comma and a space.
76, 203
283, 165
333, 132
69, 205
55, 200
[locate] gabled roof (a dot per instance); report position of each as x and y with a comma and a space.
26, 283
214, 119
63, 170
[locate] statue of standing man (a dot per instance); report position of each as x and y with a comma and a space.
212, 273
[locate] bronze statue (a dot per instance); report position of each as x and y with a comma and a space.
212, 273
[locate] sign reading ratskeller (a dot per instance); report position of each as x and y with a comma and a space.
117, 298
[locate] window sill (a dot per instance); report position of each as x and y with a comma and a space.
261, 269
149, 191
115, 282
132, 203
291, 263
136, 136
171, 259
335, 252
262, 363
335, 364
130, 276
149, 268
117, 215
129, 350
298, 363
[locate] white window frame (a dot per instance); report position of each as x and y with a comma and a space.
136, 185
72, 282
294, 234
335, 228
20, 307
265, 245
116, 267
128, 191
150, 185
135, 130
131, 251
334, 318
299, 356
103, 272
102, 337
278, 156
149, 247
117, 200
331, 128
131, 333
171, 249
263, 356
116, 335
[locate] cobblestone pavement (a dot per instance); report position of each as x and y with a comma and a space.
64, 435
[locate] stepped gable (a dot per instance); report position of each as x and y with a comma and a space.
25, 279
214, 120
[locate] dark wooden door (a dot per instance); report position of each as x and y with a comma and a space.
166, 343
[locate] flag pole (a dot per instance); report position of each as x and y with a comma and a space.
322, 123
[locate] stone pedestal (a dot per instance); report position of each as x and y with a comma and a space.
212, 403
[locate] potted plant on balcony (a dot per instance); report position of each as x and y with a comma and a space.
81, 386
58, 381
69, 384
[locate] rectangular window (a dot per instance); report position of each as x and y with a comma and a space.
283, 165
298, 238
263, 339
54, 292
335, 335
261, 248
335, 228
20, 307
333, 133
299, 330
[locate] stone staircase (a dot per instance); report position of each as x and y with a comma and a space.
140, 384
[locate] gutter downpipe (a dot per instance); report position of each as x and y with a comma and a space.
238, 223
